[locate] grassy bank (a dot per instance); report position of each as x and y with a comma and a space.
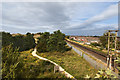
36, 68
88, 46
88, 54
71, 62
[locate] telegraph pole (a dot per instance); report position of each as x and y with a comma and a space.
108, 49
109, 55
115, 49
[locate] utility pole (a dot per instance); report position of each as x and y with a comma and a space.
115, 49
108, 49
109, 55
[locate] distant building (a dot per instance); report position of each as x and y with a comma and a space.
88, 43
86, 39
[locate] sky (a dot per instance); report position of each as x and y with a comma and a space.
72, 18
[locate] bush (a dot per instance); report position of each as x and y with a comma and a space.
95, 44
103, 74
11, 64
52, 42
19, 41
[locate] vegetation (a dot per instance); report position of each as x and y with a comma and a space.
19, 41
95, 44
67, 37
10, 63
71, 62
52, 42
18, 63
36, 68
23, 65
118, 45
104, 41
103, 74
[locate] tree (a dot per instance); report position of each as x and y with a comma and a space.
52, 42
104, 40
29, 41
95, 44
67, 37
19, 41
6, 39
42, 42
28, 33
60, 43
118, 46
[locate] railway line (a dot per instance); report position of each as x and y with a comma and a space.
99, 55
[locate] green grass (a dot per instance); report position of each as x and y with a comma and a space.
83, 51
96, 50
91, 47
71, 62
36, 68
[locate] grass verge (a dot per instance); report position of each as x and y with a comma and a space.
36, 68
94, 48
71, 62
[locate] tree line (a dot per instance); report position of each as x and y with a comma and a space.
52, 42
23, 42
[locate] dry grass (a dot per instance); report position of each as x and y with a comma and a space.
36, 68
72, 63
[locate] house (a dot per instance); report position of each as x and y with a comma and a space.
85, 39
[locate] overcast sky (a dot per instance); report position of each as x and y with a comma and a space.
72, 18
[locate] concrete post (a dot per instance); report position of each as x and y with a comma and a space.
110, 62
115, 49
56, 68
108, 49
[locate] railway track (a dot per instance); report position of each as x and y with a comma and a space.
99, 55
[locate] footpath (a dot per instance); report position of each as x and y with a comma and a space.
58, 67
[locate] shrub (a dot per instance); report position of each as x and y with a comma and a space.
52, 42
19, 41
11, 64
104, 74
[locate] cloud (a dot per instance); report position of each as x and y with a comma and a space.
93, 30
69, 17
111, 11
36, 15
60, 0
